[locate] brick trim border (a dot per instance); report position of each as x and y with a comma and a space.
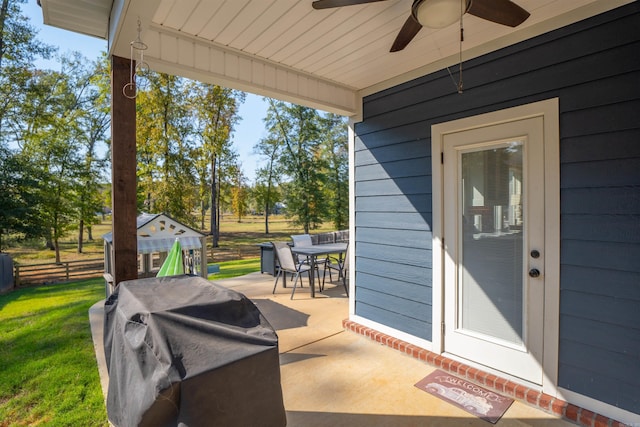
534, 398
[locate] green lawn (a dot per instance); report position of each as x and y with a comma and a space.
238, 240
48, 372
236, 268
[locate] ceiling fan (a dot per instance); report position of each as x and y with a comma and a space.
442, 13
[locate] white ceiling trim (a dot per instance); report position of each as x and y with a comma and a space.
63, 14
172, 51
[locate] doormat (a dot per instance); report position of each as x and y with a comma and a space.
471, 397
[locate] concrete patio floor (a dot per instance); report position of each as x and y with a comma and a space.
334, 377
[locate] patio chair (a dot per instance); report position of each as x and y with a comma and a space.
287, 264
341, 266
306, 240
302, 240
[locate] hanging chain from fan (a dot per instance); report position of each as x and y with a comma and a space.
459, 83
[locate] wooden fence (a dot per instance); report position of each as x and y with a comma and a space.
51, 272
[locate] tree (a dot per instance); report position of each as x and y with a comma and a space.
47, 114
267, 177
51, 142
239, 195
165, 148
335, 151
296, 128
18, 50
215, 110
228, 167
92, 87
18, 183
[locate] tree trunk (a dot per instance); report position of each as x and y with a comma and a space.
3, 17
90, 233
49, 242
56, 245
214, 204
202, 215
218, 213
80, 235
266, 207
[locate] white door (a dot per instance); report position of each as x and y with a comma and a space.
493, 223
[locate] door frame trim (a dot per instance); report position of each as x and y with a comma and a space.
549, 111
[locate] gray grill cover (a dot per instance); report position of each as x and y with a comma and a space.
184, 351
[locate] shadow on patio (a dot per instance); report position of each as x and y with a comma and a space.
333, 377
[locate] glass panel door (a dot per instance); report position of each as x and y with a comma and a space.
491, 217
493, 213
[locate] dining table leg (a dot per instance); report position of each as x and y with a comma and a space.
312, 284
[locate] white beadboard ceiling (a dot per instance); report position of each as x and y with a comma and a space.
327, 59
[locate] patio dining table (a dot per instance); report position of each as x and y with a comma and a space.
312, 252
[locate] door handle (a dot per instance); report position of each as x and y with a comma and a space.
534, 272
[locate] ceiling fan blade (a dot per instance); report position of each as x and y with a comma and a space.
408, 31
327, 4
503, 12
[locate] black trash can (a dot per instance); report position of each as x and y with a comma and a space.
184, 351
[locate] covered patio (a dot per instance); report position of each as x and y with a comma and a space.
356, 381
329, 59
571, 65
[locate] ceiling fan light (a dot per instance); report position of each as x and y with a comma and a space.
437, 13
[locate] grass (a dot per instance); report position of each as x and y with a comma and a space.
236, 268
48, 372
238, 240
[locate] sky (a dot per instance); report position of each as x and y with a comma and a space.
248, 132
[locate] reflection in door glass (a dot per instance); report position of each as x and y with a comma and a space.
490, 274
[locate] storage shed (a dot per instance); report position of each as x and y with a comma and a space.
156, 235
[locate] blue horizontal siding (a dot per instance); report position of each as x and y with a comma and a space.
396, 169
387, 269
385, 187
391, 153
606, 173
388, 137
408, 308
602, 228
588, 356
599, 281
593, 67
395, 320
399, 203
418, 221
590, 147
618, 201
619, 340
389, 286
611, 310
598, 383
394, 238
611, 118
398, 255
606, 255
